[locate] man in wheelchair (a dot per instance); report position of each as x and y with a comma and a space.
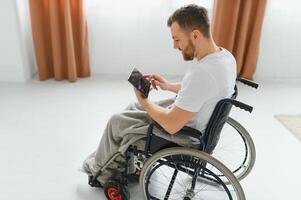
211, 79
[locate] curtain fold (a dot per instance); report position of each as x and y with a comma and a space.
236, 26
60, 39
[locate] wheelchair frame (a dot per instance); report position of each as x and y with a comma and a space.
208, 141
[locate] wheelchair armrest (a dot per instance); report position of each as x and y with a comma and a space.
242, 105
186, 130
247, 82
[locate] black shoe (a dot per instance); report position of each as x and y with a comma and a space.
134, 177
94, 183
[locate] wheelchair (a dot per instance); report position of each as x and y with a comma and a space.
224, 156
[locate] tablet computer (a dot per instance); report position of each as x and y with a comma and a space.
140, 82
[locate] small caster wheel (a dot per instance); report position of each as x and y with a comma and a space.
116, 191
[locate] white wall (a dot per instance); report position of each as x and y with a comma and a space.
124, 34
30, 67
280, 51
11, 67
16, 52
130, 33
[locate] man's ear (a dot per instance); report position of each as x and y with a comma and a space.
195, 35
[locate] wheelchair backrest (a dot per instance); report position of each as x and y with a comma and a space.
216, 122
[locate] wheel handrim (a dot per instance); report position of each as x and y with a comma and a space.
209, 193
235, 149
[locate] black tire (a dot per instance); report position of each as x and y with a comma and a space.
235, 149
159, 170
114, 190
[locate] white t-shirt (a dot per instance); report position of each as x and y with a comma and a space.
211, 79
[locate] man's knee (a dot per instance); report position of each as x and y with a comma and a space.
131, 106
134, 106
115, 117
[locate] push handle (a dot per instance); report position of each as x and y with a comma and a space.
242, 106
247, 82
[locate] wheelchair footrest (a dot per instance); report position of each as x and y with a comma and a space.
94, 183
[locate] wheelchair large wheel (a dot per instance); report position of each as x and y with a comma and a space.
235, 149
171, 174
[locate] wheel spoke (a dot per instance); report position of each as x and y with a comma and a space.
180, 168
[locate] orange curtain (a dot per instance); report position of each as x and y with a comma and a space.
236, 26
60, 39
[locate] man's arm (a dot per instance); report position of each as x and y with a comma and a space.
172, 120
174, 87
159, 81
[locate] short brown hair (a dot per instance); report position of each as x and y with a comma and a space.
191, 17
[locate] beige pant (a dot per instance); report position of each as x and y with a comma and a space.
123, 129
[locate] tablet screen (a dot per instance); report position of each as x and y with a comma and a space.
139, 82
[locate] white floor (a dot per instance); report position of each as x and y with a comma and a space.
48, 128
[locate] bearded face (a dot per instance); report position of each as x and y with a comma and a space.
188, 51
182, 41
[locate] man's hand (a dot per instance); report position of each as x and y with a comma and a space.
163, 84
139, 96
158, 81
